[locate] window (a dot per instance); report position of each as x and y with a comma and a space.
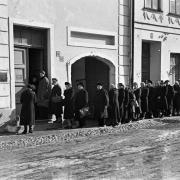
152, 4
174, 6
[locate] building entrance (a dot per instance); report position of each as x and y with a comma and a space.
29, 58
90, 70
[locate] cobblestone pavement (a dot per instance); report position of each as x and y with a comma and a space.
148, 153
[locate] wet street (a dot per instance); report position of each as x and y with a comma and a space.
152, 153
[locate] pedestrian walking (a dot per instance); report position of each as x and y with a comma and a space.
27, 115
68, 105
113, 109
101, 102
80, 102
55, 101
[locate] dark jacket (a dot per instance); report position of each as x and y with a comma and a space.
164, 92
101, 100
113, 106
55, 107
170, 95
80, 99
176, 101
121, 98
144, 99
68, 104
28, 99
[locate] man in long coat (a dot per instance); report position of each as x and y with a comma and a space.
43, 93
144, 100
121, 97
68, 104
170, 97
55, 102
80, 101
27, 115
176, 100
101, 102
164, 103
113, 109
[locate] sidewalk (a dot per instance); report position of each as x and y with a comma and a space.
49, 136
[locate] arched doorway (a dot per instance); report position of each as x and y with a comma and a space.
90, 70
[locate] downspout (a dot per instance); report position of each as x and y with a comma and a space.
132, 42
118, 39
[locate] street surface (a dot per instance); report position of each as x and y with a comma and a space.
152, 153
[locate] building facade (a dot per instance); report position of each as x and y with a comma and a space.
156, 40
71, 40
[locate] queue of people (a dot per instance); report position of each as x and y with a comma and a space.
117, 106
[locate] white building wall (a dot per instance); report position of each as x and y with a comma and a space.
156, 26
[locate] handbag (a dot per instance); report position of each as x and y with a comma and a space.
84, 112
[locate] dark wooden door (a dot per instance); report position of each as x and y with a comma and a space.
145, 61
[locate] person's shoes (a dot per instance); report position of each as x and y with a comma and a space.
30, 131
24, 132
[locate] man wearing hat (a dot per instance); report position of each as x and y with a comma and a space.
101, 102
55, 104
170, 97
68, 105
43, 95
80, 101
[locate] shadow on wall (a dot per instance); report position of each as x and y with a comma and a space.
10, 123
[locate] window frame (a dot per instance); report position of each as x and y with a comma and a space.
176, 14
153, 9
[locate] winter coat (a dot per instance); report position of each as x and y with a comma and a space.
176, 101
144, 99
55, 107
80, 99
27, 115
101, 100
68, 104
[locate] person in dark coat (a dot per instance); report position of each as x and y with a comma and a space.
43, 93
132, 106
121, 98
27, 115
176, 100
164, 104
113, 109
150, 99
126, 103
55, 101
137, 93
101, 102
157, 99
144, 100
80, 101
170, 97
68, 102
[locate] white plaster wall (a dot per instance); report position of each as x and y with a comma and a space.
88, 14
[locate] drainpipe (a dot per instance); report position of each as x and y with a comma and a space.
118, 39
132, 43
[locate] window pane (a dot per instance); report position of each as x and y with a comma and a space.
155, 4
172, 6
148, 3
177, 6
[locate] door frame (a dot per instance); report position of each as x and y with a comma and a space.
50, 50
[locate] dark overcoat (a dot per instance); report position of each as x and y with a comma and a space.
113, 109
170, 96
101, 100
43, 92
176, 101
151, 99
80, 99
55, 107
157, 98
68, 104
137, 93
164, 104
28, 99
121, 97
144, 99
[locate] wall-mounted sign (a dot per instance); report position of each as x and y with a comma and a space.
3, 77
59, 56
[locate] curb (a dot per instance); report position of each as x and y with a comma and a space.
65, 136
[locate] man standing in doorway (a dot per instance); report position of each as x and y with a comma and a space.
43, 96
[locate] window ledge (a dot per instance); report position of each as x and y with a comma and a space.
153, 10
174, 15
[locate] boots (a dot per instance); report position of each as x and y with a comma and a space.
25, 130
30, 129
